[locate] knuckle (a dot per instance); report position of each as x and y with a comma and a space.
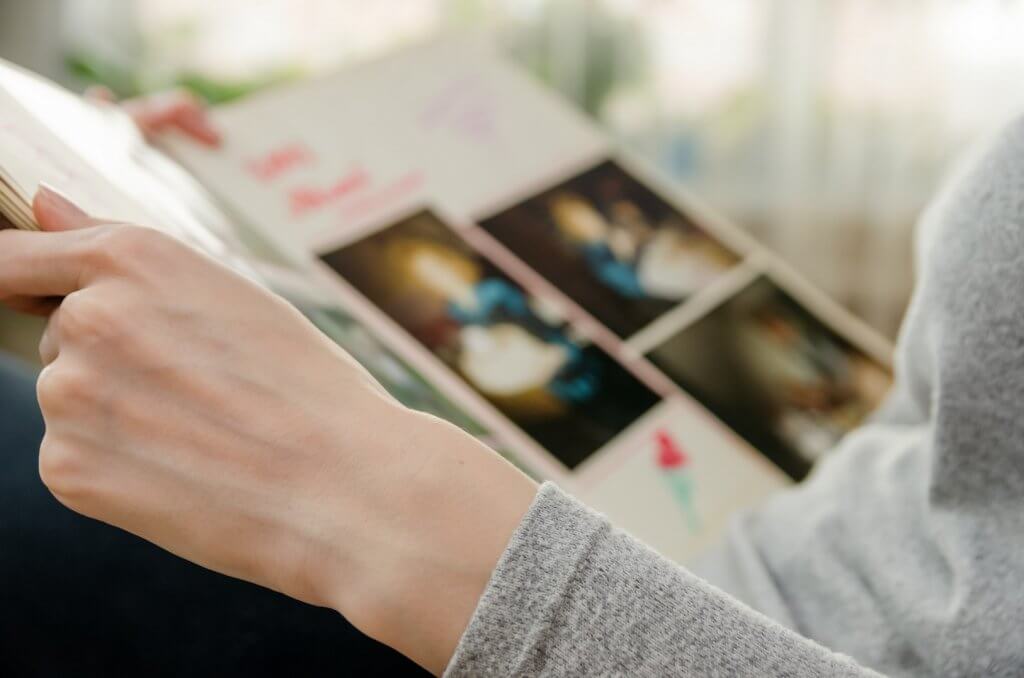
60, 469
118, 246
59, 389
141, 250
83, 316
46, 391
98, 251
132, 242
149, 240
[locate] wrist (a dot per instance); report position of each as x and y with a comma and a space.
431, 538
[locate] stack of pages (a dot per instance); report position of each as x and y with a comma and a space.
96, 156
14, 203
494, 259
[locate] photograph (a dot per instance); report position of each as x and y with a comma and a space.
513, 348
775, 374
615, 247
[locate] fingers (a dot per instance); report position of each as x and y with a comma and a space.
194, 123
34, 267
173, 110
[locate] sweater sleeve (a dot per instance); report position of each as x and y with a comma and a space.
572, 595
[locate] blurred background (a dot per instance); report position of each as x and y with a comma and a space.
822, 126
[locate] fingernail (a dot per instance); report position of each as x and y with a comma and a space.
58, 202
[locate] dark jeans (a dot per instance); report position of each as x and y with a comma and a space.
81, 598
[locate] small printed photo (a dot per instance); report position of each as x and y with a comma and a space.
775, 374
513, 348
612, 245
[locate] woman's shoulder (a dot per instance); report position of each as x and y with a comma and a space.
978, 215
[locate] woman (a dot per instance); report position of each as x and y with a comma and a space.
902, 553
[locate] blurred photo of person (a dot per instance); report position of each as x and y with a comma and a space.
504, 348
512, 347
625, 255
633, 257
775, 374
824, 387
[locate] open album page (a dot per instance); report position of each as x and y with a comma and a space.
494, 259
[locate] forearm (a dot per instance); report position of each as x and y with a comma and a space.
428, 541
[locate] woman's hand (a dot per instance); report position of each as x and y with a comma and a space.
156, 114
189, 406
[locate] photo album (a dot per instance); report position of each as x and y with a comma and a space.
493, 258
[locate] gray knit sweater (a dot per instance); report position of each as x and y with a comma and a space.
903, 553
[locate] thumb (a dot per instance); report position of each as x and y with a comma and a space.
55, 212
